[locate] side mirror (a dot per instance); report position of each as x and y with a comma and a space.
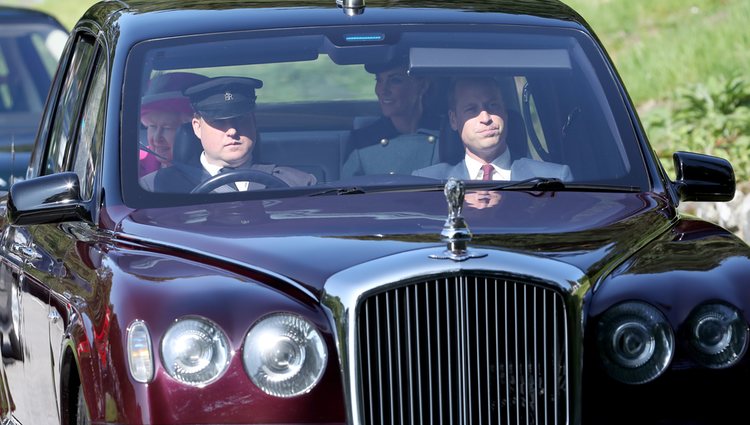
703, 177
48, 199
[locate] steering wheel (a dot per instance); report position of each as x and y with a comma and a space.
228, 177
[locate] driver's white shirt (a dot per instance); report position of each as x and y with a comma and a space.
214, 170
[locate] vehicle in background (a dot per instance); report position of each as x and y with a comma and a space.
30, 45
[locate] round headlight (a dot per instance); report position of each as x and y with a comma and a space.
284, 355
195, 351
635, 342
717, 335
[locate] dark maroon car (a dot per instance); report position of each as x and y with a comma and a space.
300, 288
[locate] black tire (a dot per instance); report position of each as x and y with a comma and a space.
82, 413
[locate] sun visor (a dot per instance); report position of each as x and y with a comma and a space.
244, 51
430, 61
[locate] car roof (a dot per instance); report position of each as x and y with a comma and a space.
167, 17
526, 6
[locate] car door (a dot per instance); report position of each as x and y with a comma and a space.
48, 245
80, 268
14, 243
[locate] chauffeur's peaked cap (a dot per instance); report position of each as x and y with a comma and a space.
224, 97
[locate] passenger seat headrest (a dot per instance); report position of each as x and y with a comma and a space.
187, 147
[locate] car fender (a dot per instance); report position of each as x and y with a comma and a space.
693, 263
155, 288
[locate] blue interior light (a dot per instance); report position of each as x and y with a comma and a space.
358, 38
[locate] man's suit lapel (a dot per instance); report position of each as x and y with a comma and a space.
460, 171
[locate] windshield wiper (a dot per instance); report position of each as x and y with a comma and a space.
359, 190
552, 184
534, 183
353, 190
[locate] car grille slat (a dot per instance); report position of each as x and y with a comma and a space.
463, 350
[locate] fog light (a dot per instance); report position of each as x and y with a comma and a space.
717, 335
284, 355
635, 342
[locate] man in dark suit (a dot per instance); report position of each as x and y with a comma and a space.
224, 121
478, 113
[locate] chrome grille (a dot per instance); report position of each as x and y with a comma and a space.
463, 350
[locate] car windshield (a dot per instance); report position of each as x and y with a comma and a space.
350, 109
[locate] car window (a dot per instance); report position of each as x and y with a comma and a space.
321, 91
68, 105
28, 59
90, 131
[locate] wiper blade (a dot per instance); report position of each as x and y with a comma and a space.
534, 183
551, 184
354, 190
359, 190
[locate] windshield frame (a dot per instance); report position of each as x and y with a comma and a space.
584, 50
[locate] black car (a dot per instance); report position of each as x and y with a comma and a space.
30, 44
320, 212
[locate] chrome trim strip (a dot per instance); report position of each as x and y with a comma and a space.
344, 291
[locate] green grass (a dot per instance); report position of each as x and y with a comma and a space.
678, 58
661, 46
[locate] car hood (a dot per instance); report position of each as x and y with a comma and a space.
309, 239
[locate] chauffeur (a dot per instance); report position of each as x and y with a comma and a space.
405, 137
224, 121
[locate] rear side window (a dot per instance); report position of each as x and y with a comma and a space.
90, 131
68, 104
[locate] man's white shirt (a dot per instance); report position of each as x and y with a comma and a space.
214, 170
501, 165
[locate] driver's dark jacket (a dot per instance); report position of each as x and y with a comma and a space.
183, 178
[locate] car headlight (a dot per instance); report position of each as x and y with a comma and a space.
140, 357
635, 342
195, 351
717, 335
284, 355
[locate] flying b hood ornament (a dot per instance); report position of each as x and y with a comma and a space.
455, 231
